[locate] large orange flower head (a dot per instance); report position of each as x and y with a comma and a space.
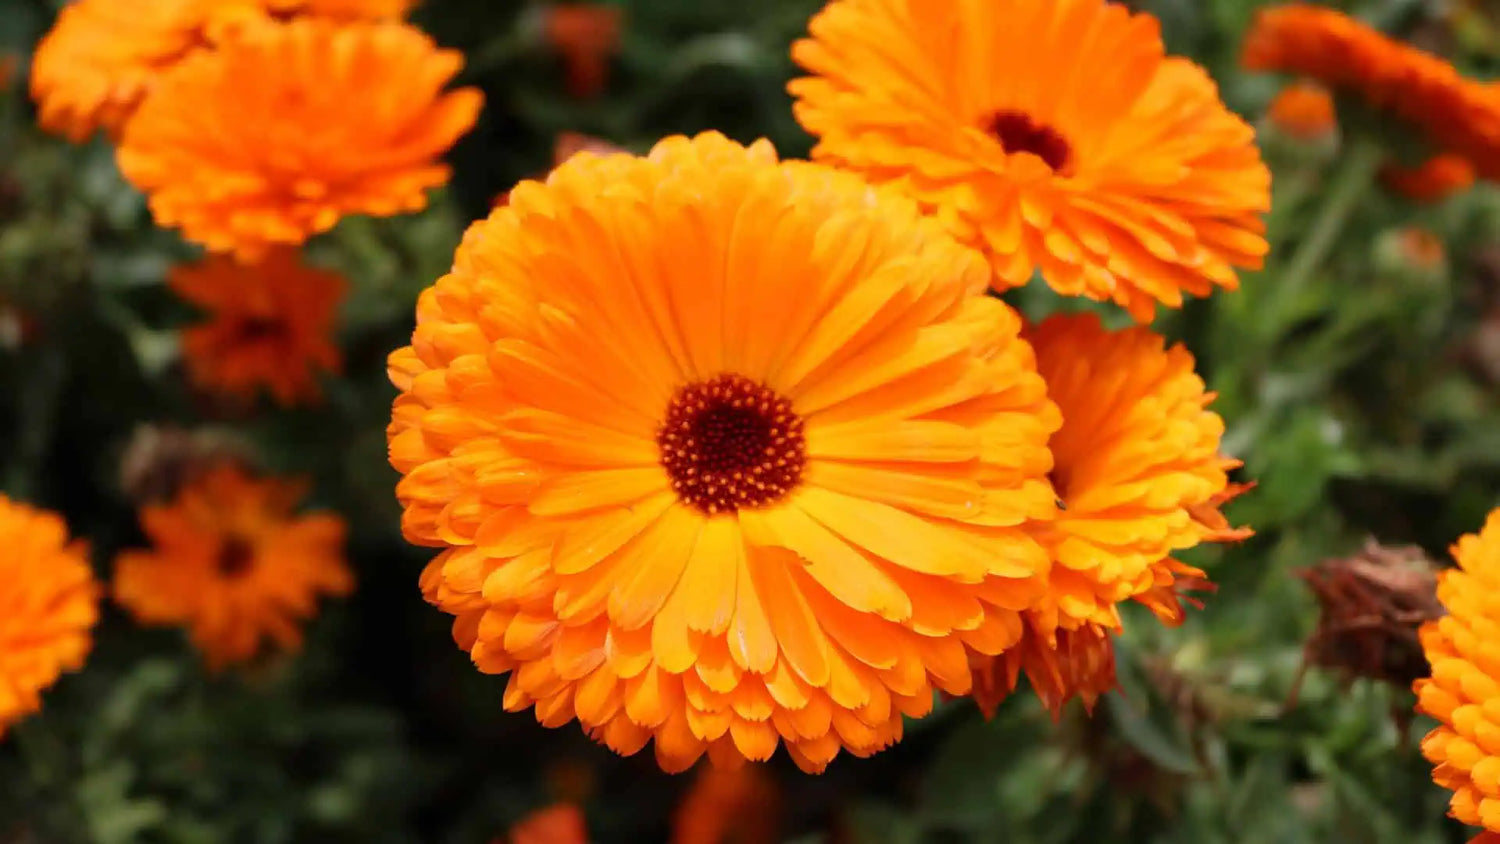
1139, 477
677, 507
233, 564
1053, 134
1463, 692
270, 325
287, 127
1457, 115
49, 603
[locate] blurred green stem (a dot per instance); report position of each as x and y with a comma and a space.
1350, 183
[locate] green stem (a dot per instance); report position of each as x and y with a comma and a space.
1351, 182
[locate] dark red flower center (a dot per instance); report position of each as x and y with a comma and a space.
729, 442
236, 555
257, 328
1017, 132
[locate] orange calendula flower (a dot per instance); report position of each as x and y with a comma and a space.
1458, 115
1139, 477
674, 509
287, 127
586, 35
1463, 692
1052, 134
102, 56
725, 804
1434, 180
233, 564
1304, 110
49, 603
559, 824
270, 325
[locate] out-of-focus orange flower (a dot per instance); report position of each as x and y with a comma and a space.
729, 805
1421, 248
1139, 477
233, 564
1434, 180
1304, 110
287, 127
1458, 115
587, 36
270, 325
567, 145
562, 823
49, 603
722, 536
102, 56
1053, 135
345, 9
1463, 693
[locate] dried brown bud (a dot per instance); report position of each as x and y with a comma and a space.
1372, 604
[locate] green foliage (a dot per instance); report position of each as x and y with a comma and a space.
1359, 388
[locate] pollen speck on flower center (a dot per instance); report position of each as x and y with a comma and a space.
236, 555
1017, 132
730, 442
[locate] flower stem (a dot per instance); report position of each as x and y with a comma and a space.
1351, 182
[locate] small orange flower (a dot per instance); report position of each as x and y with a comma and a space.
679, 512
1304, 110
1458, 115
233, 565
587, 35
562, 823
1054, 135
1434, 180
1463, 692
1139, 477
730, 804
287, 127
270, 325
48, 604
1421, 249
